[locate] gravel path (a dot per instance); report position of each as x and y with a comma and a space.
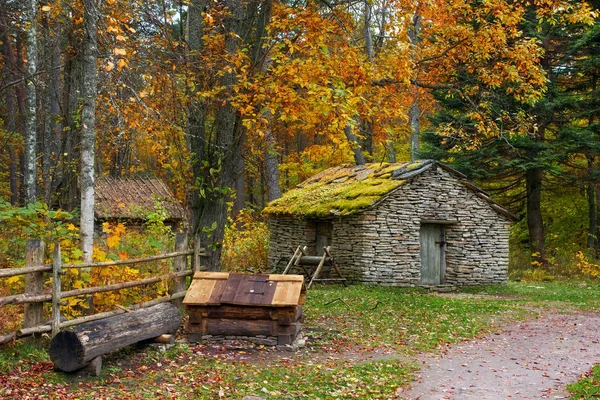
530, 360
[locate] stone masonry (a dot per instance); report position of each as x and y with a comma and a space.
381, 245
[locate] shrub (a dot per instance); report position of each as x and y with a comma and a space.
246, 244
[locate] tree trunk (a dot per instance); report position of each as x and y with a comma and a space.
359, 157
88, 136
196, 121
535, 223
11, 110
415, 129
414, 111
271, 167
596, 234
52, 134
217, 175
67, 190
73, 349
592, 217
30, 171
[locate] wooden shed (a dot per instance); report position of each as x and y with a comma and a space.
398, 224
133, 199
245, 305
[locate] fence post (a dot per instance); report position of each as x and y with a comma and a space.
179, 264
33, 282
197, 251
56, 275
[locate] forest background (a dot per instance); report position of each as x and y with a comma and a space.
234, 102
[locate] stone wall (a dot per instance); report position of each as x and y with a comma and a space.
381, 245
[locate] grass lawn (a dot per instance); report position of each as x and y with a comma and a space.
361, 343
588, 387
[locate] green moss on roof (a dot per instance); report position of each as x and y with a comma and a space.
340, 190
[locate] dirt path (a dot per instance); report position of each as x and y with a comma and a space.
530, 360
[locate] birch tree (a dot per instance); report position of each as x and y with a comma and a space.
88, 137
30, 171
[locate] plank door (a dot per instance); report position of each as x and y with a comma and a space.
433, 254
323, 237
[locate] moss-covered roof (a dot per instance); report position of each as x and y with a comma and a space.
350, 189
344, 190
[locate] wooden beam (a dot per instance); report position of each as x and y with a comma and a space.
34, 282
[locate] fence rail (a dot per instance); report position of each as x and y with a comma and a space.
33, 298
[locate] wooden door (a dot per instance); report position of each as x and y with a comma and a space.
433, 254
323, 237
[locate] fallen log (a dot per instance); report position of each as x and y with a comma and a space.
73, 349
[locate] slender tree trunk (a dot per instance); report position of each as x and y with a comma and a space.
271, 168
415, 128
596, 235
240, 187
11, 126
535, 223
88, 136
68, 192
414, 111
359, 157
30, 176
367, 31
52, 128
592, 217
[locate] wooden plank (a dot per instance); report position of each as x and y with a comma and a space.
287, 294
179, 264
254, 290
217, 292
243, 327
211, 275
231, 288
297, 253
34, 283
8, 272
317, 271
56, 288
197, 313
286, 278
128, 262
199, 292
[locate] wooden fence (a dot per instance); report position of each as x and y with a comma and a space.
34, 297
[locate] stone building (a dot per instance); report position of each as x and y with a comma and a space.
402, 224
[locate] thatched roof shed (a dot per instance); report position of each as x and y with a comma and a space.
134, 199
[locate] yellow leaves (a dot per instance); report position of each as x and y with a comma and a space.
99, 255
119, 51
109, 66
78, 284
119, 229
121, 38
122, 64
113, 241
587, 267
46, 8
106, 228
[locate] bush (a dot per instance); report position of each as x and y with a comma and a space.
246, 244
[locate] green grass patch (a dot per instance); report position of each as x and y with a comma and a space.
20, 354
407, 320
588, 387
580, 294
